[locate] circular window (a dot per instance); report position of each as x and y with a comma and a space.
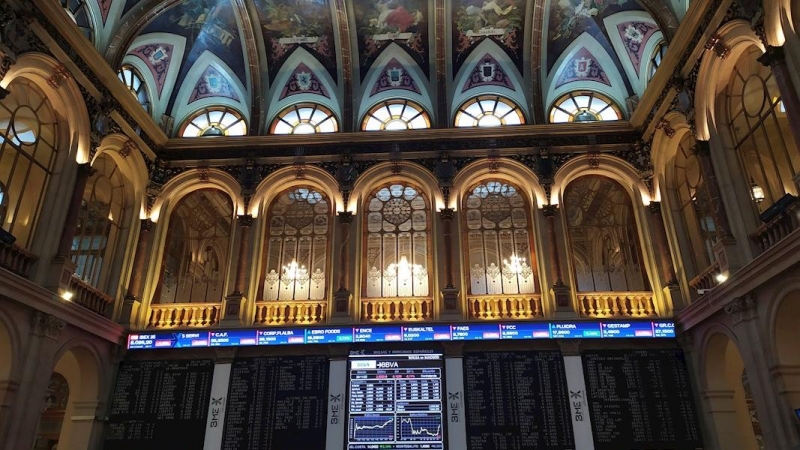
396, 115
307, 118
754, 96
489, 111
584, 107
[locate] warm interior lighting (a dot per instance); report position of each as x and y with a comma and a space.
67, 295
405, 271
721, 278
757, 192
515, 265
293, 271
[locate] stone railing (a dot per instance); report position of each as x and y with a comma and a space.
184, 315
706, 280
16, 259
290, 312
783, 223
616, 304
396, 309
492, 307
89, 297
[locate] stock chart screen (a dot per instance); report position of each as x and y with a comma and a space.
395, 400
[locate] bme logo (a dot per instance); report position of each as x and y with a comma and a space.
455, 405
216, 411
335, 408
577, 405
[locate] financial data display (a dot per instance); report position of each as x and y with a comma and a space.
395, 401
401, 333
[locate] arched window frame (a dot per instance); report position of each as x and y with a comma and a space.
633, 241
287, 275
29, 143
302, 118
570, 106
205, 246
81, 14
214, 121
489, 111
764, 145
396, 115
379, 282
509, 273
658, 57
100, 227
131, 78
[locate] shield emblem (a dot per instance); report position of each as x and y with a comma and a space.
303, 80
487, 71
395, 75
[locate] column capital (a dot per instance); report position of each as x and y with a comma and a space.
47, 325
146, 225
549, 210
345, 217
447, 213
741, 308
245, 220
654, 208
773, 56
701, 148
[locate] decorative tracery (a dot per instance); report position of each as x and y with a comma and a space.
489, 111
395, 115
498, 240
133, 81
397, 242
297, 246
214, 122
584, 106
79, 12
305, 118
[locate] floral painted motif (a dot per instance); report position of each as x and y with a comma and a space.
488, 72
499, 20
394, 76
290, 24
105, 6
213, 84
635, 36
303, 81
382, 22
583, 67
157, 57
569, 14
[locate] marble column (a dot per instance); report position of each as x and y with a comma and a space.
341, 297
85, 171
234, 303
132, 300
561, 291
450, 292
775, 59
668, 269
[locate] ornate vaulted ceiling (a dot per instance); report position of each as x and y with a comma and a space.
258, 57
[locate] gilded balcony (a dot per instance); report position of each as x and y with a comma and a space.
513, 307
184, 315
602, 305
89, 297
399, 309
290, 312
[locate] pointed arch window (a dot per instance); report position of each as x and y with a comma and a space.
297, 246
28, 143
214, 122
759, 130
584, 106
499, 240
398, 243
79, 12
489, 111
395, 115
104, 209
305, 118
694, 201
195, 261
606, 254
133, 81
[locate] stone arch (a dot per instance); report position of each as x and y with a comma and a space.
377, 174
79, 363
723, 391
714, 72
506, 169
785, 336
285, 178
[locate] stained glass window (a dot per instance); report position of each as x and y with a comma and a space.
498, 237
585, 106
397, 242
396, 115
305, 118
215, 122
297, 246
133, 81
489, 111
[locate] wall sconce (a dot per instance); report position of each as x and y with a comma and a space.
721, 278
757, 192
67, 295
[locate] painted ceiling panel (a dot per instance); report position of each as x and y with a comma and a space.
583, 66
157, 57
635, 35
394, 76
382, 22
207, 25
303, 81
488, 72
105, 6
502, 21
290, 24
212, 83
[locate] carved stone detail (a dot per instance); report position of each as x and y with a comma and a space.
741, 308
47, 325
245, 220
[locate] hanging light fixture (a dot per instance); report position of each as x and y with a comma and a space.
404, 270
757, 192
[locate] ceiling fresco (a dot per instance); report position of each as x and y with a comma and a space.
382, 22
261, 54
290, 24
